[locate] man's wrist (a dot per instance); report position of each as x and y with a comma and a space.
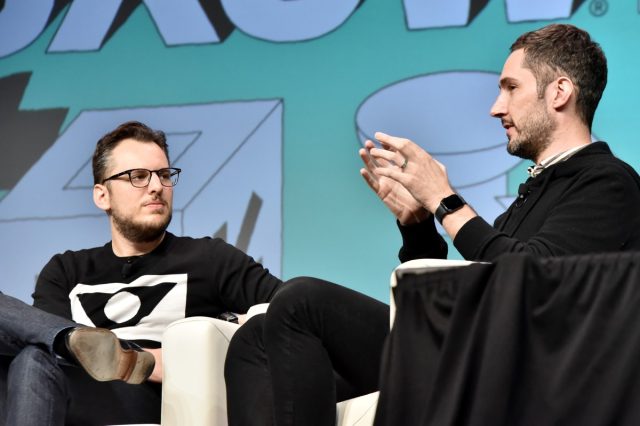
448, 205
415, 217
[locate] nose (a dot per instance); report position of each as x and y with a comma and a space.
499, 108
154, 183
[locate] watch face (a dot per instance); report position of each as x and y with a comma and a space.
453, 202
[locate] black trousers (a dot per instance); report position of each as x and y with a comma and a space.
318, 343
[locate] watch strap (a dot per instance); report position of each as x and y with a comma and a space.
440, 213
449, 205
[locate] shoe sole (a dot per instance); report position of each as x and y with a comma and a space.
99, 352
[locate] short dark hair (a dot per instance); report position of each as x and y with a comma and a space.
129, 130
559, 49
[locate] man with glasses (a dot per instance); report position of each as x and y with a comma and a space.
135, 285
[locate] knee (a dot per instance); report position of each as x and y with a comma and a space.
296, 306
33, 366
32, 356
295, 294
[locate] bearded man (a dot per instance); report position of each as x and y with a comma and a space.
578, 199
135, 285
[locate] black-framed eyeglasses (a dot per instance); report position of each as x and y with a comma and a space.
140, 178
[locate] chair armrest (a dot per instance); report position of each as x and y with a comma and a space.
419, 266
359, 411
193, 387
260, 308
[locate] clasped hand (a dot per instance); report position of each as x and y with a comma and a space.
405, 177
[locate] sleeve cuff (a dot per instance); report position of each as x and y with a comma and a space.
472, 236
415, 235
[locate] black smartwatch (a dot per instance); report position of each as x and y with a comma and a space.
449, 205
229, 317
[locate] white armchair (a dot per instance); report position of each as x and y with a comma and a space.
194, 349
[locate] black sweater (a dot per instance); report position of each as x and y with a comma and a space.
138, 297
587, 204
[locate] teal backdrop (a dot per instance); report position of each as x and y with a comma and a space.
265, 105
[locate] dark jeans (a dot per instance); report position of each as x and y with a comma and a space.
318, 343
37, 388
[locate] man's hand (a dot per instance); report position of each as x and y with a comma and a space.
401, 203
409, 166
408, 179
156, 375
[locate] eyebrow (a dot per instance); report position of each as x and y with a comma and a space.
505, 81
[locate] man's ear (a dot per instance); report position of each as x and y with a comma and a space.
101, 197
563, 91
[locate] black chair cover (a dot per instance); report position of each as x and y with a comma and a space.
523, 341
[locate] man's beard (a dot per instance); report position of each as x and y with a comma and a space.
139, 232
534, 135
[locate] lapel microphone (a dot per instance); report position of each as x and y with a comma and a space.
523, 193
126, 267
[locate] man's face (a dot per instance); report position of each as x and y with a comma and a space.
138, 214
522, 112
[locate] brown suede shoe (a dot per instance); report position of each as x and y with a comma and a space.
100, 353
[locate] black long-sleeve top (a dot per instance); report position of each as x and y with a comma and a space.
138, 297
589, 203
